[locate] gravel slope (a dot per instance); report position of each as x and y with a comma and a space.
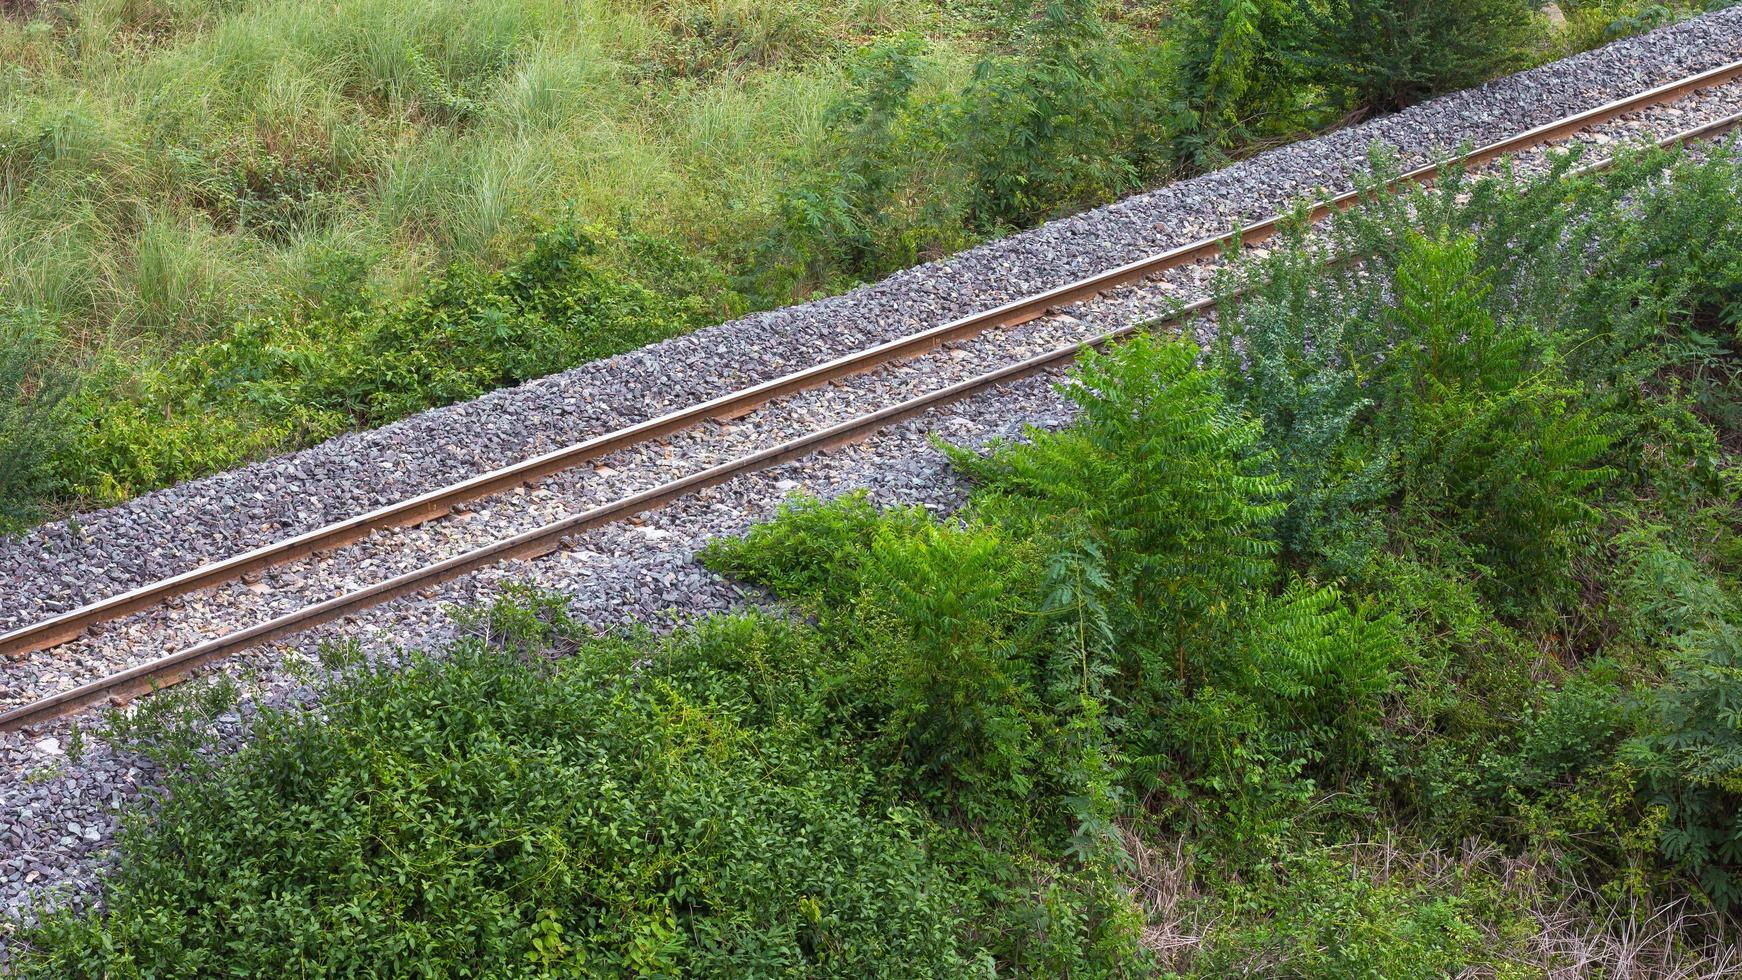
186, 620
65, 564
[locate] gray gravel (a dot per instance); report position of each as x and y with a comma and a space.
65, 564
233, 606
57, 816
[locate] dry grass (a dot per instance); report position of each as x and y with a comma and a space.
1572, 931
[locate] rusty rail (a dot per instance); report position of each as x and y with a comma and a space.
177, 666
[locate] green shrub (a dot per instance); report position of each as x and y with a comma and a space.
881, 195
710, 804
1160, 500
955, 679
1506, 482
488, 815
1174, 491
813, 551
1400, 388
1389, 54
1265, 70
1059, 117
1288, 356
1239, 83
1595, 22
1043, 130
1691, 754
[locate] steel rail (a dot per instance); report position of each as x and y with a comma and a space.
69, 625
175, 667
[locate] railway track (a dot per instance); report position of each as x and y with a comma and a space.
1058, 347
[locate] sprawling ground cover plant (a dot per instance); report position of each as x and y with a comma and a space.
718, 803
194, 193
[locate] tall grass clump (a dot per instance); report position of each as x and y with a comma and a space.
35, 380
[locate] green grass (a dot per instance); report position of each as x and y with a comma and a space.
169, 167
171, 170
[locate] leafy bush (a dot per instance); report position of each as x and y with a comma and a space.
813, 550
1249, 64
1401, 394
1238, 84
1481, 432
1058, 120
1043, 130
1594, 22
1172, 489
1389, 54
1114, 580
1487, 427
880, 195
484, 814
1691, 755
713, 803
1499, 460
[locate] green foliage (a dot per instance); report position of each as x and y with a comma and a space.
1169, 485
1174, 497
1594, 22
1057, 120
1505, 423
1495, 458
1264, 70
1388, 54
485, 814
1691, 756
1043, 129
1238, 85
957, 709
884, 196
35, 381
814, 550
1321, 915
1401, 395
1115, 589
274, 384
1288, 357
